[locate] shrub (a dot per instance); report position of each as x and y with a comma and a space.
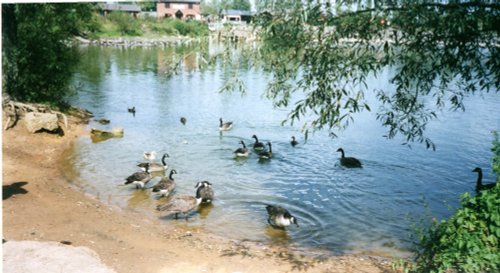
468, 241
125, 23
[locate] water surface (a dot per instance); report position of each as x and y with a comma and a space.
343, 210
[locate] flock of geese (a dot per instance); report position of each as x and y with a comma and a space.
278, 217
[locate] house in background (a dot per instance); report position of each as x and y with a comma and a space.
236, 16
180, 9
134, 10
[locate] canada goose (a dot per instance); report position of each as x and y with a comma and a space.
131, 110
181, 204
166, 184
479, 185
204, 189
279, 217
183, 120
258, 146
150, 155
224, 126
139, 179
154, 166
242, 152
349, 162
294, 142
267, 154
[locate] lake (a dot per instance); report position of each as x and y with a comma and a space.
343, 210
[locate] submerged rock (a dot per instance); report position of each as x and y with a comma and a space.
100, 135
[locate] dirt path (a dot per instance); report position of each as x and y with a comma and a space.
40, 205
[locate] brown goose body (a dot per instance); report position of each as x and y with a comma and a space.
166, 185
180, 204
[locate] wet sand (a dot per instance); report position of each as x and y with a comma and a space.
40, 204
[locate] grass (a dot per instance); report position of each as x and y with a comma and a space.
119, 24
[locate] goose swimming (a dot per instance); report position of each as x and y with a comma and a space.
279, 217
258, 146
242, 152
349, 162
479, 183
267, 154
225, 126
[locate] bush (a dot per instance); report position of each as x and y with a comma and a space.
125, 23
468, 241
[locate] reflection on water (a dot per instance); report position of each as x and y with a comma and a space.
360, 210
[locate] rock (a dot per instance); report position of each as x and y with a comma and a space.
100, 135
33, 256
103, 121
38, 121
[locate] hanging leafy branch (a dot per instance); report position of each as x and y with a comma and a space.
439, 52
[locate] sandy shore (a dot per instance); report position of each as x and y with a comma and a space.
46, 207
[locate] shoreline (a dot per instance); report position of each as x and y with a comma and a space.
54, 209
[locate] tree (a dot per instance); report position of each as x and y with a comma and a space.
440, 52
146, 5
37, 57
241, 5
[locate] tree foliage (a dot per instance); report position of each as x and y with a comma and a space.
439, 51
36, 53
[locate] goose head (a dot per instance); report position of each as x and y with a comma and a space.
203, 184
172, 172
477, 170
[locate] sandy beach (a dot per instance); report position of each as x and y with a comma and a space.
41, 205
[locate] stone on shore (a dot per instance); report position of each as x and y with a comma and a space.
49, 257
38, 121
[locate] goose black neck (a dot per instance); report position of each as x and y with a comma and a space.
256, 139
342, 152
244, 146
220, 121
479, 178
270, 149
163, 160
171, 175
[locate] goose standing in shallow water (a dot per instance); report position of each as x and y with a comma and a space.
267, 154
242, 152
155, 167
349, 162
166, 185
224, 126
279, 217
150, 156
139, 179
204, 189
294, 142
258, 146
479, 184
181, 204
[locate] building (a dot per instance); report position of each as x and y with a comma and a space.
134, 10
236, 16
180, 9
